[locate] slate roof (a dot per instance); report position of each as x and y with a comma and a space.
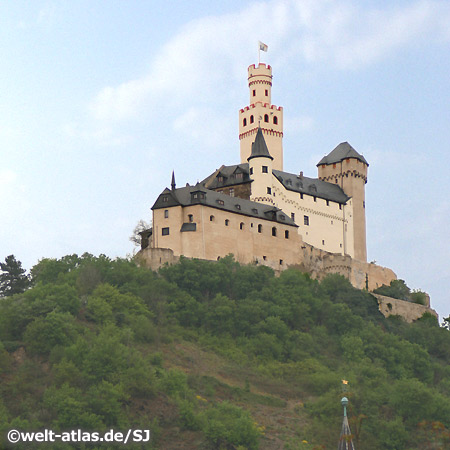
311, 186
229, 178
259, 147
343, 151
195, 195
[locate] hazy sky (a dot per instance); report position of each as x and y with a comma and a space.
100, 100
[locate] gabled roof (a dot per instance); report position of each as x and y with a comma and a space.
259, 147
343, 151
195, 195
311, 186
228, 174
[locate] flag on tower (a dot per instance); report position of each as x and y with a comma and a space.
262, 46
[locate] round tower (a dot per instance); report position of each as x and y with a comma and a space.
347, 168
261, 112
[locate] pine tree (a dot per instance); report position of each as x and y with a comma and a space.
13, 278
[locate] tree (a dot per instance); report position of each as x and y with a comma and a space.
136, 237
13, 278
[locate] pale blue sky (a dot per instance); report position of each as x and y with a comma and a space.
101, 100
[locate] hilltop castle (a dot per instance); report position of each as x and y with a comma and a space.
264, 215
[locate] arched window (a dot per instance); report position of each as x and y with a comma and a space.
260, 228
244, 122
267, 92
286, 234
211, 218
266, 118
227, 222
274, 231
275, 120
252, 119
241, 226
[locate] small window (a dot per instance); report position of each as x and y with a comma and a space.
251, 170
364, 204
239, 176
266, 92
211, 218
264, 258
244, 122
220, 179
334, 166
269, 190
286, 234
315, 198
190, 218
281, 262
165, 231
231, 192
259, 228
254, 211
274, 231
293, 216
323, 242
254, 92
220, 202
238, 206
166, 214
266, 118
289, 182
301, 195
306, 220
227, 222
252, 119
165, 198
340, 205
241, 226
275, 120
265, 169
328, 202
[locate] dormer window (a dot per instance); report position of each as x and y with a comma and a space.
239, 176
238, 206
220, 202
165, 198
220, 179
254, 211
289, 182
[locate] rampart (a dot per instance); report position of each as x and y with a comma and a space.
408, 311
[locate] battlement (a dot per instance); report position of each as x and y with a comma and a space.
265, 105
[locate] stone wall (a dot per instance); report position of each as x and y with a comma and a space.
408, 311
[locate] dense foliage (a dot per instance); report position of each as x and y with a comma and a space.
87, 347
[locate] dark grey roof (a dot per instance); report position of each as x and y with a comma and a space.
189, 226
194, 195
343, 151
229, 178
345, 440
259, 147
311, 186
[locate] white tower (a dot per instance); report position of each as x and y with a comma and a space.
261, 113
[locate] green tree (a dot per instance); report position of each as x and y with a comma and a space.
13, 278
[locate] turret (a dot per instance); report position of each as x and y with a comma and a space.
260, 164
347, 168
261, 113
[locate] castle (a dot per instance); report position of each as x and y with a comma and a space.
264, 215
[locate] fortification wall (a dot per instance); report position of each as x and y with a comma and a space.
408, 311
154, 258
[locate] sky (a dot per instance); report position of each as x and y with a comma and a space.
101, 100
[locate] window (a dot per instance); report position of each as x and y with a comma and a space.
239, 176
165, 198
227, 222
274, 231
220, 202
281, 262
315, 198
301, 196
251, 170
220, 179
254, 92
293, 216
265, 169
241, 226
166, 214
340, 205
275, 120
264, 258
252, 119
266, 92
238, 206
334, 166
269, 190
165, 231
323, 242
254, 211
364, 204
231, 192
244, 122
266, 118
190, 218
211, 218
286, 234
306, 220
259, 228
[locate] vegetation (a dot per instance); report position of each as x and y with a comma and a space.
399, 289
218, 355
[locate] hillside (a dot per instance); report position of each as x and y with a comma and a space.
217, 355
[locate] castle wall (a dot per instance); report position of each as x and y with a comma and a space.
219, 233
408, 311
